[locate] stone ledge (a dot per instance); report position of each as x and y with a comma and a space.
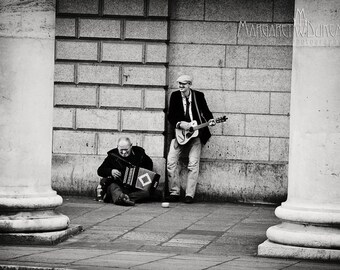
270, 249
40, 238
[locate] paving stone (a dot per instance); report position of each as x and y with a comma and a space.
177, 264
240, 265
179, 239
9, 253
185, 244
200, 233
314, 265
210, 226
147, 236
230, 250
205, 258
171, 249
62, 256
122, 259
73, 211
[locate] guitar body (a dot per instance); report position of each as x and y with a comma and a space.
183, 136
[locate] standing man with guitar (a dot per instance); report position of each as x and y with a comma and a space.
187, 105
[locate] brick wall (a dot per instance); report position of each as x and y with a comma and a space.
116, 59
110, 81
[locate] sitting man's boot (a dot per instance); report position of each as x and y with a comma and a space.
125, 200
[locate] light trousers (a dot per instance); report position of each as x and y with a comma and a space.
194, 146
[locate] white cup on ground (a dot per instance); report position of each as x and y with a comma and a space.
165, 204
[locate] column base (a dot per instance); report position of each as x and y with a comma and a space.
31, 214
270, 249
305, 235
41, 238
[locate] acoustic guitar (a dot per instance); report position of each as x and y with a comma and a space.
183, 136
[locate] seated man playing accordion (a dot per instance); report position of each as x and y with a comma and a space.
113, 168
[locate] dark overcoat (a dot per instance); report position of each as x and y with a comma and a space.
176, 112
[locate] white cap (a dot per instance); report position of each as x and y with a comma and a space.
184, 79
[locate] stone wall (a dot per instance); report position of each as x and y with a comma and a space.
110, 80
117, 63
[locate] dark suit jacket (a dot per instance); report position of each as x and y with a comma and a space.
176, 112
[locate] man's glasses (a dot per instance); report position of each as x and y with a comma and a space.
123, 150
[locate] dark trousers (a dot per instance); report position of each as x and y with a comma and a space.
114, 190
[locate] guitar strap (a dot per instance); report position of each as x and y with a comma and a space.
194, 97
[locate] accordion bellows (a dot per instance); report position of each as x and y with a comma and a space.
140, 178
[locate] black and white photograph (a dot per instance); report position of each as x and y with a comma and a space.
170, 134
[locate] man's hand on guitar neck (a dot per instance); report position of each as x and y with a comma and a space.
184, 125
212, 122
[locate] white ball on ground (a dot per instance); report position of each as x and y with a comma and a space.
165, 204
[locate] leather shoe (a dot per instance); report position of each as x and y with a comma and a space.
125, 200
188, 199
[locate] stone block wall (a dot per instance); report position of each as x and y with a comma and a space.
240, 55
110, 81
116, 65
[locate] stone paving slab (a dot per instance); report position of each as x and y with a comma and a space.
199, 236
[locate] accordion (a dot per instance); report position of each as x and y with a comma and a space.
140, 178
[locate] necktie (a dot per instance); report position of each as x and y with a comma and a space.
187, 114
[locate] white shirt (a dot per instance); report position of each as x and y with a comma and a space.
184, 100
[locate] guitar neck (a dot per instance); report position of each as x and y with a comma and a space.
200, 126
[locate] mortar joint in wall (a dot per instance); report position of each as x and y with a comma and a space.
146, 8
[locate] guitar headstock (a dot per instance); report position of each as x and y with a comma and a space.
221, 119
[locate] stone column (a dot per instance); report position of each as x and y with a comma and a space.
27, 201
310, 217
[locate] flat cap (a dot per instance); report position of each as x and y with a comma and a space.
184, 79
